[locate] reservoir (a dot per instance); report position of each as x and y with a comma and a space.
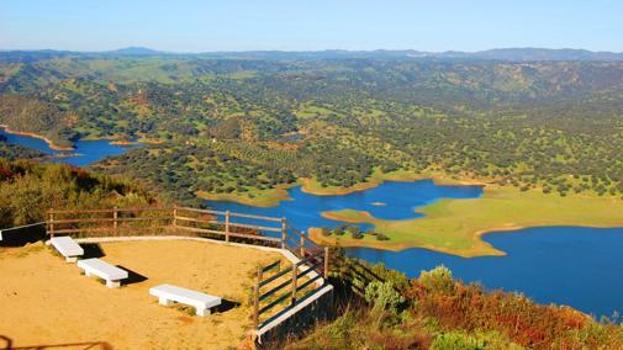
84, 153
576, 266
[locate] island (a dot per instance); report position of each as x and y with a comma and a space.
457, 226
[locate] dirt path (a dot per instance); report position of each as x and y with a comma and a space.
45, 301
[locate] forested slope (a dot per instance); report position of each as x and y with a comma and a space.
555, 126
28, 189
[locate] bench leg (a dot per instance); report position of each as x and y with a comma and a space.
71, 259
113, 284
87, 273
165, 302
203, 312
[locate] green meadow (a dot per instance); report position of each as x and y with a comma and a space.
456, 226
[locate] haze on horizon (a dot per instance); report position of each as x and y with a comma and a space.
238, 25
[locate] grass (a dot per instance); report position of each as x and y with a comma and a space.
456, 226
253, 197
313, 186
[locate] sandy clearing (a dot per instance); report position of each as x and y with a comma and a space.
45, 301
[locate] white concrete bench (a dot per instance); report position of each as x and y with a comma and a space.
67, 247
112, 274
202, 303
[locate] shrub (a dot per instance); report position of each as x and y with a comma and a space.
481, 341
438, 279
338, 232
352, 229
455, 341
383, 296
342, 327
381, 237
356, 235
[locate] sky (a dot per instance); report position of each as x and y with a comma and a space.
297, 25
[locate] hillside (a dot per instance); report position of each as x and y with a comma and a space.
28, 189
502, 54
13, 152
437, 312
247, 127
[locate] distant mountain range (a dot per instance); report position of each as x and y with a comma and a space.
507, 54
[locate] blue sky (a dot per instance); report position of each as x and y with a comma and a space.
194, 25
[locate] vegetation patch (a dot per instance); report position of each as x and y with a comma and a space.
437, 312
254, 197
456, 226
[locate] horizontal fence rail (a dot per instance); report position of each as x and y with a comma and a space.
215, 224
22, 227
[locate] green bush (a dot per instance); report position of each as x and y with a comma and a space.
438, 279
356, 235
480, 341
383, 296
381, 237
353, 230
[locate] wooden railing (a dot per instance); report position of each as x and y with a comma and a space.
277, 290
226, 225
97, 222
215, 224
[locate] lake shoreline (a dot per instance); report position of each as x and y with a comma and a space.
264, 199
315, 234
50, 143
465, 230
56, 147
84, 151
311, 185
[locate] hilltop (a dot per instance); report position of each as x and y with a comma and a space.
501, 54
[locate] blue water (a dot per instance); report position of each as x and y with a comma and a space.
399, 201
576, 266
84, 153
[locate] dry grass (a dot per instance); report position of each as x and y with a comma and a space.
45, 301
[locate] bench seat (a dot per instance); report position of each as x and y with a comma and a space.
202, 302
112, 274
67, 247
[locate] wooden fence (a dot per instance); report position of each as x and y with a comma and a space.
223, 225
276, 290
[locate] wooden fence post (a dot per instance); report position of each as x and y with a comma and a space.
175, 216
302, 246
256, 298
326, 263
284, 233
51, 223
115, 215
227, 222
294, 272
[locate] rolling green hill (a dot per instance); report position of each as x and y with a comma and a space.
550, 125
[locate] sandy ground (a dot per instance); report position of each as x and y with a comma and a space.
45, 301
